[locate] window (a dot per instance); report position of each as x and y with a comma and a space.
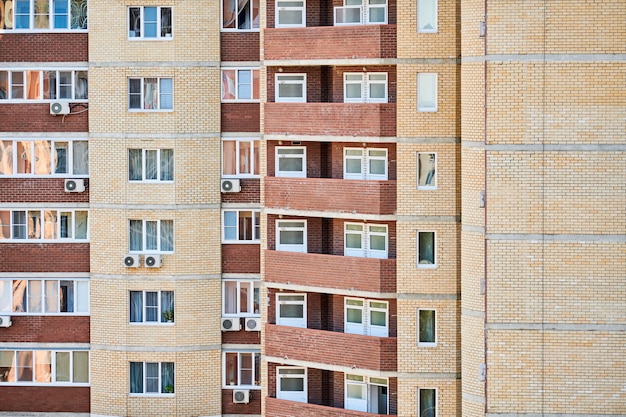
367, 317
426, 171
291, 235
356, 12
46, 225
291, 384
44, 15
291, 88
291, 161
151, 165
427, 399
240, 15
367, 394
150, 22
150, 93
427, 92
365, 164
365, 240
241, 298
151, 306
43, 85
291, 310
242, 369
290, 13
64, 158
368, 87
240, 157
150, 236
240, 85
426, 250
427, 328
241, 226
152, 378
44, 296
56, 367
427, 16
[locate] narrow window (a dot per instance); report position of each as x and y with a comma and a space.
427, 92
426, 250
426, 171
427, 399
427, 328
427, 16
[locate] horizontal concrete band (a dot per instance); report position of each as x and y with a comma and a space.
561, 58
474, 398
551, 147
557, 327
538, 237
149, 349
333, 291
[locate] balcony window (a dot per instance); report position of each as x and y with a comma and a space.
240, 15
366, 394
365, 240
240, 298
240, 85
291, 384
367, 317
426, 250
426, 171
43, 85
359, 12
49, 225
291, 310
240, 157
291, 236
44, 15
290, 13
366, 87
44, 158
365, 164
290, 88
242, 369
49, 367
44, 297
241, 226
290, 161
427, 16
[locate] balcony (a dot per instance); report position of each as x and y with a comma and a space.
348, 42
280, 408
330, 271
331, 119
320, 346
331, 195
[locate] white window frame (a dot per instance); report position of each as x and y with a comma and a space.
35, 228
421, 23
163, 27
32, 83
161, 310
365, 159
234, 288
299, 396
251, 160
255, 357
427, 413
366, 232
144, 236
291, 9
284, 155
159, 95
427, 92
365, 80
80, 20
254, 23
283, 299
420, 343
42, 369
423, 263
427, 170
233, 86
255, 215
16, 297
367, 308
289, 78
281, 226
10, 156
145, 377
368, 402
363, 11
145, 156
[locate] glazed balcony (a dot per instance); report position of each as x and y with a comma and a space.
278, 408
330, 271
331, 119
320, 346
348, 42
331, 195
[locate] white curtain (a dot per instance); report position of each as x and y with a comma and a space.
136, 235
136, 306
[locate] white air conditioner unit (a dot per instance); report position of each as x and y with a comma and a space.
241, 396
74, 185
231, 186
5, 321
131, 261
231, 324
152, 261
253, 324
59, 107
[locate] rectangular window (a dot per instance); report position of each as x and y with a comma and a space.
290, 161
427, 16
241, 298
426, 250
290, 88
150, 22
365, 87
46, 225
44, 297
240, 85
427, 399
365, 163
58, 158
242, 369
365, 240
291, 235
150, 94
154, 378
426, 171
427, 92
240, 15
291, 310
358, 12
290, 13
366, 394
54, 367
43, 85
151, 236
44, 15
151, 165
291, 384
427, 328
240, 157
152, 306
367, 317
241, 226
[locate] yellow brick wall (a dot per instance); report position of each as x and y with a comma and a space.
448, 396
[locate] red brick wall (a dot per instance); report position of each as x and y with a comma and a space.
45, 399
337, 157
243, 259
46, 329
241, 337
37, 118
39, 190
250, 192
320, 13
253, 407
338, 236
44, 257
241, 117
44, 47
239, 46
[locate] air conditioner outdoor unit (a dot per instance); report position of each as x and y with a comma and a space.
74, 185
5, 321
59, 107
231, 324
253, 324
131, 261
231, 186
241, 396
152, 261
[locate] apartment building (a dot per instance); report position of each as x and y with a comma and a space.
312, 208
